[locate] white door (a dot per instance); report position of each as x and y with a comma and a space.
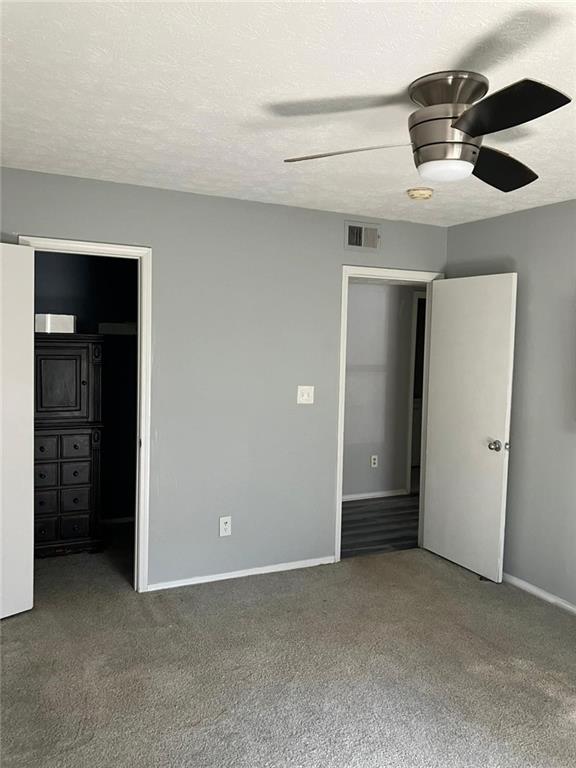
471, 346
16, 428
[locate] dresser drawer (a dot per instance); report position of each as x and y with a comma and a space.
75, 498
75, 473
45, 447
73, 446
45, 529
45, 475
74, 526
46, 502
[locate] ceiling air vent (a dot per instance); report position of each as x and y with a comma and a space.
361, 235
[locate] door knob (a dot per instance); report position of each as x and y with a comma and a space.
495, 445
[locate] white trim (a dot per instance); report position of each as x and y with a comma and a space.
341, 411
416, 296
85, 247
402, 276
144, 420
144, 256
541, 593
240, 574
391, 275
423, 433
375, 495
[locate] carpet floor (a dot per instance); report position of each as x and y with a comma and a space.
383, 661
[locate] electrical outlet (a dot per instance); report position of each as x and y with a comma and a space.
226, 526
373, 461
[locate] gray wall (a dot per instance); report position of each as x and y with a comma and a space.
539, 244
246, 303
377, 387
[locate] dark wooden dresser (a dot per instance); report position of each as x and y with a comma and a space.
67, 442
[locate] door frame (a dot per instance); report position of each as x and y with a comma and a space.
385, 275
416, 296
143, 255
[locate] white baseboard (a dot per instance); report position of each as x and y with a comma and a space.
374, 495
240, 574
541, 593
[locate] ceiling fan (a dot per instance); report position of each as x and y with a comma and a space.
447, 130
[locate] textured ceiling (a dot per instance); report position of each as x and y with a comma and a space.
181, 95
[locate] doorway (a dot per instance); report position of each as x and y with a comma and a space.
382, 377
108, 290
85, 412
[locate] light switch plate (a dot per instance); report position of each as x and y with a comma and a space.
305, 394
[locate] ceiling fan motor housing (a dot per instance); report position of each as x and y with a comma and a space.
443, 97
434, 138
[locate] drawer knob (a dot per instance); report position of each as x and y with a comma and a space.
76, 446
84, 382
42, 476
76, 500
75, 473
75, 527
42, 531
41, 503
42, 448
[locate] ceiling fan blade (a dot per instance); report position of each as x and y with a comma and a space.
343, 152
501, 171
333, 105
517, 32
517, 104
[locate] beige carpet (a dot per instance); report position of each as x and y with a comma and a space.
382, 661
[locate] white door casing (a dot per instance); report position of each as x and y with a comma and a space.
144, 256
385, 275
471, 348
16, 428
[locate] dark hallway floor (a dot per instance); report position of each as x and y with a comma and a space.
379, 525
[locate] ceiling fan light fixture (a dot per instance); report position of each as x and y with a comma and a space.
445, 170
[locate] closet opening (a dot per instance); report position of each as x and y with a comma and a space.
383, 414
86, 412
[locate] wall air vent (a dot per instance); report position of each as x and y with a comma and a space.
358, 235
